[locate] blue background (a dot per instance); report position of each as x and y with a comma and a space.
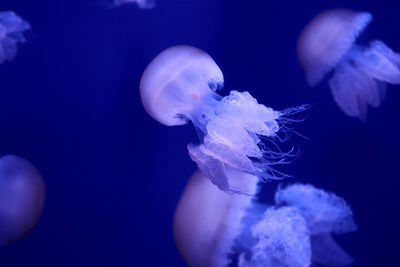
70, 103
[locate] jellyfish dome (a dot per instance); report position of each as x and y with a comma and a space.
22, 193
11, 33
360, 73
181, 84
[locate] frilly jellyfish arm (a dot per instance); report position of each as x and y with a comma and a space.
145, 4
325, 213
327, 252
282, 239
11, 32
180, 84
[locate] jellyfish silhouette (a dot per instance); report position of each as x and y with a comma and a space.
144, 4
360, 73
181, 84
11, 33
211, 226
22, 193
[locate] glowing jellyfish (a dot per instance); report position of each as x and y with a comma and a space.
22, 193
141, 3
325, 214
181, 84
361, 73
11, 33
210, 225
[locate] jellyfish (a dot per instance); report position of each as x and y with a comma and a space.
211, 226
325, 214
11, 33
235, 131
360, 73
144, 4
22, 193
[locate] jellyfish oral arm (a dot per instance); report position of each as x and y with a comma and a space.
11, 33
361, 76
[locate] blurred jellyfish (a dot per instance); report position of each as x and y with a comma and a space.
325, 214
361, 73
181, 84
22, 193
11, 33
145, 4
210, 226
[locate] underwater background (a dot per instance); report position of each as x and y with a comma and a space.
69, 102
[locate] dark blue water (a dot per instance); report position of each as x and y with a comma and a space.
70, 103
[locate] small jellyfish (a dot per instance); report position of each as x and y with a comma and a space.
11, 33
181, 84
211, 226
144, 4
22, 193
325, 214
360, 73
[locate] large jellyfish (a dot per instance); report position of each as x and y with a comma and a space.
22, 193
11, 33
360, 73
181, 84
145, 4
211, 227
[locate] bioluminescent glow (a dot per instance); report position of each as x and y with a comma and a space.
11, 33
181, 84
211, 225
361, 73
145, 4
22, 194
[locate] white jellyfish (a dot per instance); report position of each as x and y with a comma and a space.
210, 226
11, 33
181, 84
145, 4
325, 214
22, 194
361, 73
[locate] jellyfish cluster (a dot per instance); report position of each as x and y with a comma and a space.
360, 73
219, 217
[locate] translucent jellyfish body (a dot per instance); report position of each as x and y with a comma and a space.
210, 226
22, 193
181, 84
11, 33
145, 4
360, 73
325, 214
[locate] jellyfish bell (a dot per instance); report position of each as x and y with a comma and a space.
181, 84
360, 73
22, 193
207, 220
176, 82
327, 38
